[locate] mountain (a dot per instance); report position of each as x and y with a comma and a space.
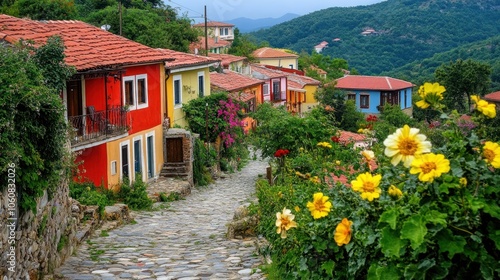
485, 51
403, 31
246, 25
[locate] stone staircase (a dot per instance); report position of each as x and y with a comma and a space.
174, 169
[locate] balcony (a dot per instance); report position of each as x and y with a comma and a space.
97, 126
279, 96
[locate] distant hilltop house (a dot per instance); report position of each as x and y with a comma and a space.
321, 46
217, 29
369, 32
371, 93
276, 57
337, 40
493, 97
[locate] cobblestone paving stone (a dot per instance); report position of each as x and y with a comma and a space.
185, 241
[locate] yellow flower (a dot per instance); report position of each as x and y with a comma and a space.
367, 185
315, 180
463, 182
395, 192
488, 109
343, 232
431, 94
320, 206
429, 166
337, 162
297, 209
368, 154
405, 144
325, 145
360, 130
284, 222
491, 153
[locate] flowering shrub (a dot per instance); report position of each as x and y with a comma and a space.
426, 211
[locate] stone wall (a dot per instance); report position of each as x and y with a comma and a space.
39, 242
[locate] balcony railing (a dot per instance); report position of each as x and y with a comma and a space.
279, 96
98, 125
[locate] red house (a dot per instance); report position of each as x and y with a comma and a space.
115, 102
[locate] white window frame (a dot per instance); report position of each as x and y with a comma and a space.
146, 92
151, 134
177, 78
134, 105
265, 89
201, 74
125, 143
113, 167
138, 138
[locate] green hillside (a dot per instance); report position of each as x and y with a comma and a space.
407, 30
486, 51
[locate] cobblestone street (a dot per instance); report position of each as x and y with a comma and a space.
185, 240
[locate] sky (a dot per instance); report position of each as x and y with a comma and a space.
221, 10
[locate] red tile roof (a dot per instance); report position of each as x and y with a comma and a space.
261, 72
212, 43
213, 24
371, 83
232, 81
494, 96
293, 85
227, 58
303, 80
186, 59
87, 47
347, 137
242, 96
267, 52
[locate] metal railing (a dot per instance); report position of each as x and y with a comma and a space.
279, 96
98, 125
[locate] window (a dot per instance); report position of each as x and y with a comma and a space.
276, 90
177, 91
113, 167
224, 31
124, 160
129, 91
389, 97
364, 101
265, 89
201, 83
351, 96
150, 148
291, 66
137, 156
135, 91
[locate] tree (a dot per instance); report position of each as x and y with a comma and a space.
46, 9
242, 45
32, 121
461, 80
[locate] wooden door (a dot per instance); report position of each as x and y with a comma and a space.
74, 103
174, 150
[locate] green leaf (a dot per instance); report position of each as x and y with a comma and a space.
453, 244
415, 230
493, 209
436, 217
390, 216
328, 267
495, 236
443, 188
377, 272
391, 242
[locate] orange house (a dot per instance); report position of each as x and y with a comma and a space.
115, 102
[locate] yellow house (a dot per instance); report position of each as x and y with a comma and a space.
217, 29
276, 57
187, 78
300, 94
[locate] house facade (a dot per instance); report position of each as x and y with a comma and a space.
242, 88
114, 103
301, 93
217, 29
234, 63
371, 93
187, 78
215, 45
276, 57
274, 87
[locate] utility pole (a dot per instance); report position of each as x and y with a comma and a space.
120, 12
206, 32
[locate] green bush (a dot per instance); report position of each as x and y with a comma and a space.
135, 195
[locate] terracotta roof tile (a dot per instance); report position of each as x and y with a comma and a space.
227, 58
213, 24
212, 43
371, 83
494, 96
267, 52
186, 59
242, 96
232, 81
262, 72
303, 80
87, 47
347, 137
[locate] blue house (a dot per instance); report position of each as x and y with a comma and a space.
371, 93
